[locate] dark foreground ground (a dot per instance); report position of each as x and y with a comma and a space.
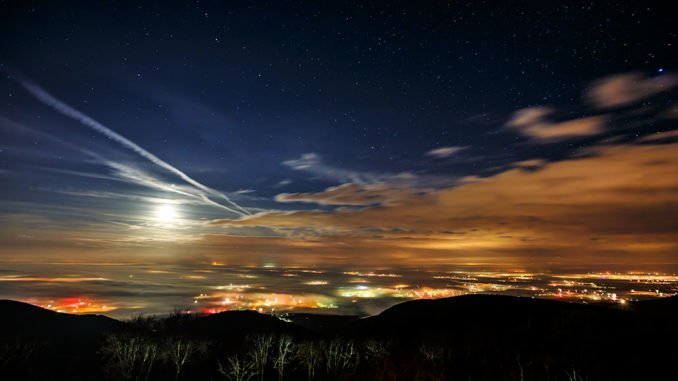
474, 337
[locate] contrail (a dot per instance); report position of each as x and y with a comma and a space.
47, 98
124, 172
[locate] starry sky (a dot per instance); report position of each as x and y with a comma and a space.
378, 134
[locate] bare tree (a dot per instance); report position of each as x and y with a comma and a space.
376, 350
432, 353
260, 349
235, 368
376, 354
435, 356
573, 376
309, 353
342, 355
179, 352
283, 354
131, 357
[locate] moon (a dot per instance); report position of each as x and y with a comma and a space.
166, 213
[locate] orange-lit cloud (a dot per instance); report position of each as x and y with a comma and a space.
534, 123
612, 202
608, 203
348, 194
626, 89
668, 135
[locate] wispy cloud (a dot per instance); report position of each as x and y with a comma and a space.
283, 183
205, 191
534, 122
314, 164
628, 88
444, 152
661, 136
125, 196
350, 194
123, 172
612, 102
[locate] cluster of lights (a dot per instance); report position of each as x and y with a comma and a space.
262, 302
584, 295
575, 280
655, 293
76, 306
573, 283
372, 274
487, 287
598, 287
398, 291
455, 277
628, 277
316, 283
432, 293
571, 286
518, 276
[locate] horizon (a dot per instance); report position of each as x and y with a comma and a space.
151, 157
280, 290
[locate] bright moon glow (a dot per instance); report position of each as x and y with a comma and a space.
166, 213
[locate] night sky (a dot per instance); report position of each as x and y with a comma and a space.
328, 135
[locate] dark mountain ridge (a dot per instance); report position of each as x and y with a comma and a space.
477, 336
17, 318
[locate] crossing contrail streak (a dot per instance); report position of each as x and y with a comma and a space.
123, 172
48, 99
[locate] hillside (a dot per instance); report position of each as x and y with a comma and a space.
482, 337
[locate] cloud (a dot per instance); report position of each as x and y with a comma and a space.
49, 100
541, 125
124, 196
350, 194
610, 204
660, 136
120, 171
443, 152
533, 122
532, 163
137, 176
313, 163
629, 88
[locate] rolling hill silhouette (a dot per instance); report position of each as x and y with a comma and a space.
503, 329
496, 313
29, 321
484, 336
662, 306
41, 344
